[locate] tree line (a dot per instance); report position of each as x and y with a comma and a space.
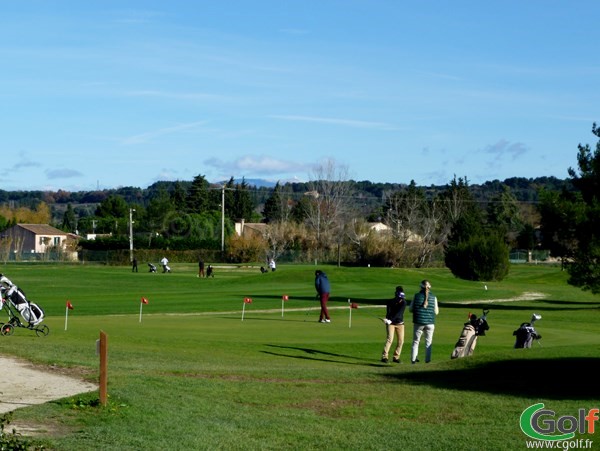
468, 228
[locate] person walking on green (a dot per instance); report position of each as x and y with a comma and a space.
323, 288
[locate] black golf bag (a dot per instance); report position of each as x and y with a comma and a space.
526, 333
151, 267
465, 346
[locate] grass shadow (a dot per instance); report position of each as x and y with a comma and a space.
562, 378
318, 355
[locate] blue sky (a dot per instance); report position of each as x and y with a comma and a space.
126, 93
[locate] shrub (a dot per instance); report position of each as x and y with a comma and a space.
480, 257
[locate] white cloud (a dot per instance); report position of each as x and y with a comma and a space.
252, 165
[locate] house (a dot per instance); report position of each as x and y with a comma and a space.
378, 227
34, 238
248, 229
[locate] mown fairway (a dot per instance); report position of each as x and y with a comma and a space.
193, 375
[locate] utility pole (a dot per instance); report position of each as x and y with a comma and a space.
222, 219
131, 210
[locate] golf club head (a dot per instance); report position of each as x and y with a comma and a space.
535, 317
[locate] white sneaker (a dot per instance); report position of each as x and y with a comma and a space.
327, 320
321, 320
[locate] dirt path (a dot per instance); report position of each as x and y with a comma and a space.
23, 385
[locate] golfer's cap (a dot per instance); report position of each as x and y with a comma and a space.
425, 284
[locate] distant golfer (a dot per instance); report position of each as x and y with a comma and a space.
323, 288
165, 264
200, 267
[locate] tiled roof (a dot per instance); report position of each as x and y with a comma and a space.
42, 229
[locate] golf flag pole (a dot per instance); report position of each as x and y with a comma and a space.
283, 299
246, 301
142, 302
350, 314
351, 305
67, 308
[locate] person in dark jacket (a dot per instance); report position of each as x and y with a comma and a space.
424, 308
323, 288
394, 324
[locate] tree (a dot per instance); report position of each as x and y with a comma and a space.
273, 210
69, 223
503, 213
561, 212
197, 198
584, 271
475, 251
329, 191
113, 207
242, 202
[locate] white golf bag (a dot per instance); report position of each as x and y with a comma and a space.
15, 298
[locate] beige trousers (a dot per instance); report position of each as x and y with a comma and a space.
398, 331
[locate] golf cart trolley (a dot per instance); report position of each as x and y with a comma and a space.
14, 302
526, 333
474, 328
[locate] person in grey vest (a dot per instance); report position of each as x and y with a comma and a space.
424, 308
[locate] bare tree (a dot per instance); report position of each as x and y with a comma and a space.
329, 206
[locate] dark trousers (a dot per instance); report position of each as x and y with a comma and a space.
324, 297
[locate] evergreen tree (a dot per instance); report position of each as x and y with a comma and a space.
474, 250
584, 271
272, 211
197, 198
69, 223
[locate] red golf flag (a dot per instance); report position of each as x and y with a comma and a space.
144, 301
285, 297
248, 300
354, 305
69, 305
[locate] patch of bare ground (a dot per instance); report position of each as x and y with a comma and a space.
23, 384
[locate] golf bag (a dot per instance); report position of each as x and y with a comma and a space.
465, 346
152, 268
15, 301
526, 333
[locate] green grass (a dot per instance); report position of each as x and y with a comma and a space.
193, 375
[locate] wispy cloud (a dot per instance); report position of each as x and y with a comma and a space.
145, 137
294, 31
337, 121
175, 95
24, 163
62, 173
136, 16
504, 147
253, 165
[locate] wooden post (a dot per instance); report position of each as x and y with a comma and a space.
103, 367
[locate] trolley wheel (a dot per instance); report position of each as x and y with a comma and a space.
7, 329
42, 331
